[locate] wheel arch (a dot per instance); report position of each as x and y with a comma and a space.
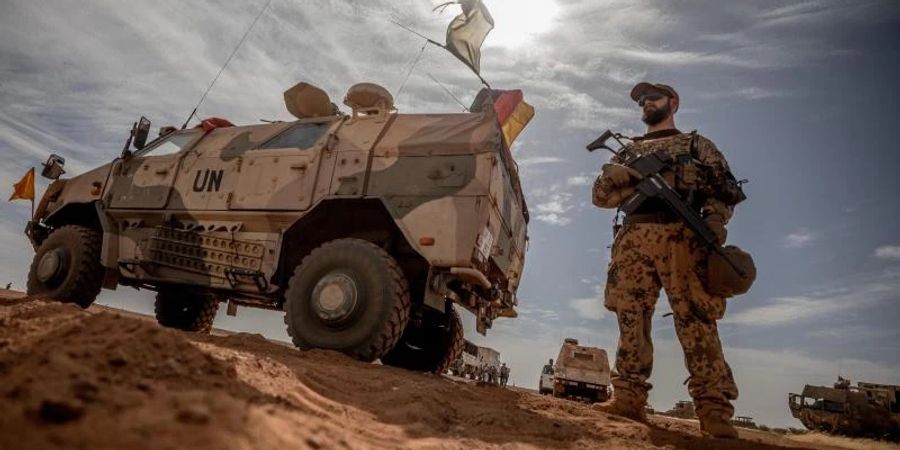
86, 214
367, 219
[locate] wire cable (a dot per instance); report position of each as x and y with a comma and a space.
409, 72
222, 69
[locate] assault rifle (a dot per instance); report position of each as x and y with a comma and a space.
653, 185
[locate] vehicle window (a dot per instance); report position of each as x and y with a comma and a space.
303, 135
584, 356
833, 406
172, 144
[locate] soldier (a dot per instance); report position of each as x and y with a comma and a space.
504, 374
655, 249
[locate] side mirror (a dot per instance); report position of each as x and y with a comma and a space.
53, 168
140, 133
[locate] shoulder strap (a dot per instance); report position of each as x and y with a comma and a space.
695, 153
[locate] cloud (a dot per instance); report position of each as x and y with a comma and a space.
888, 252
552, 204
580, 180
799, 239
826, 303
749, 93
589, 307
538, 160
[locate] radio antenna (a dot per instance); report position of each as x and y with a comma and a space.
222, 69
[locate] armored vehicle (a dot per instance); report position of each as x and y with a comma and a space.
683, 409
581, 372
867, 409
364, 228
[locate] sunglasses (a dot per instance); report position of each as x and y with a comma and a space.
653, 96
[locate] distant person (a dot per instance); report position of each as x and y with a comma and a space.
655, 249
504, 374
548, 368
8, 286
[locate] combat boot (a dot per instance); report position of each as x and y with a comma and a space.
717, 426
626, 405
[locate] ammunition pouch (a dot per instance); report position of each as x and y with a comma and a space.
722, 279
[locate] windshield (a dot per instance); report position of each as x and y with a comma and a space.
171, 144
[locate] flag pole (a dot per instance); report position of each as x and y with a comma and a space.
432, 41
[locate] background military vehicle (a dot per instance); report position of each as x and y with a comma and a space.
683, 409
365, 229
474, 359
581, 372
867, 409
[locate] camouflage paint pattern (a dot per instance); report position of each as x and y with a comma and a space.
224, 201
649, 256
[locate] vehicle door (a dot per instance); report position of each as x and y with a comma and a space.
144, 179
281, 173
211, 170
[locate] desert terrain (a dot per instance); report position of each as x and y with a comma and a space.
103, 379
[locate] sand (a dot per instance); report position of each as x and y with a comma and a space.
98, 379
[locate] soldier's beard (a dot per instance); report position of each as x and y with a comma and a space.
655, 116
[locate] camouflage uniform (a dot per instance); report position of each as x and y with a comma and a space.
665, 254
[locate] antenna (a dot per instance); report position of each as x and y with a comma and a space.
448, 92
222, 69
411, 67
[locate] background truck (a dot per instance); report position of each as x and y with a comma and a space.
366, 228
581, 373
474, 360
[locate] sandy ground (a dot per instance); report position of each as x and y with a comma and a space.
98, 379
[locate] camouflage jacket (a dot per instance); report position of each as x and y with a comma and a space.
675, 143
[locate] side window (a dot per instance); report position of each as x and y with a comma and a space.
171, 145
303, 135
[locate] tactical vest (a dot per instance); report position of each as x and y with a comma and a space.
687, 177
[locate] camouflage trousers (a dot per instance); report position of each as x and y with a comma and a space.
645, 258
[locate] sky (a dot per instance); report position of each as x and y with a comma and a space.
801, 97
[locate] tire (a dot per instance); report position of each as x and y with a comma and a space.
347, 295
185, 310
558, 391
430, 345
66, 266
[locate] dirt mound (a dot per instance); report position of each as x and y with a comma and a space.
71, 378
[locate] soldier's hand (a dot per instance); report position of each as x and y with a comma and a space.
620, 175
716, 223
615, 198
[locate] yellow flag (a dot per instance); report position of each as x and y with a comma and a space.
24, 189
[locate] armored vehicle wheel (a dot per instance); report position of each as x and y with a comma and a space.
185, 310
347, 295
429, 345
66, 266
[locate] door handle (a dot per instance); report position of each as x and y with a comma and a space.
162, 171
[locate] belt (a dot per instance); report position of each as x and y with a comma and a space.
658, 217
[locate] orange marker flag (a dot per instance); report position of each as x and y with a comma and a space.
24, 189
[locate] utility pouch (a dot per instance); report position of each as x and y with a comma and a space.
722, 279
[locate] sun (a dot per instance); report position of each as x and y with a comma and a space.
516, 22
